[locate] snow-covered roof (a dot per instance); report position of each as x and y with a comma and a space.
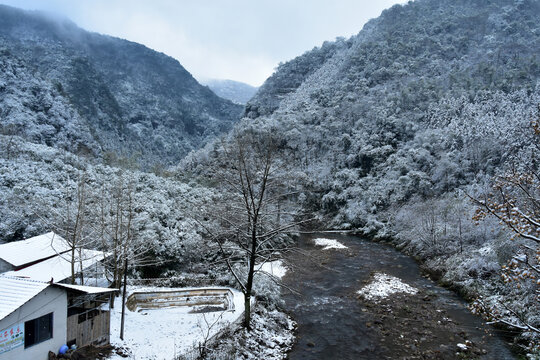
86, 289
19, 253
59, 267
16, 292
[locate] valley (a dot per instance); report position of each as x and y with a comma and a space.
420, 134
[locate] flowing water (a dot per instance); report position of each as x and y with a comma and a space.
334, 323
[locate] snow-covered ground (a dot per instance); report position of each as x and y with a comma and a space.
329, 244
271, 337
384, 285
167, 332
275, 268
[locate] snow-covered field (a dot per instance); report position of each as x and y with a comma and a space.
384, 285
329, 244
167, 332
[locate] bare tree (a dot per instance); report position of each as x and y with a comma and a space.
250, 215
206, 332
71, 222
115, 228
10, 145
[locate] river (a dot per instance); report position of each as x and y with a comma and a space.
335, 323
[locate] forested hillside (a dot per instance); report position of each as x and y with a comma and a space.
423, 100
405, 132
101, 96
42, 188
80, 110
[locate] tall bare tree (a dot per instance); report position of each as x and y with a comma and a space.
71, 220
250, 215
116, 228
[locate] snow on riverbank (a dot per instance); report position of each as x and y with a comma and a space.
384, 285
167, 332
329, 244
271, 337
274, 268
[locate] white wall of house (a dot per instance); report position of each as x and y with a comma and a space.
49, 300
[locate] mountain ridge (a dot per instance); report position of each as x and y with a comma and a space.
236, 91
133, 99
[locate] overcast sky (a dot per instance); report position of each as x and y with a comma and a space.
242, 40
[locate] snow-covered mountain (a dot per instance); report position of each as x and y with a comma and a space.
101, 96
390, 130
237, 92
423, 99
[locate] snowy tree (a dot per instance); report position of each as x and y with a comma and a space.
515, 202
72, 221
118, 213
249, 216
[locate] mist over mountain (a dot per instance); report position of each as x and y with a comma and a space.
95, 94
237, 92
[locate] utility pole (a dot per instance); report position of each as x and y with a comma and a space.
123, 301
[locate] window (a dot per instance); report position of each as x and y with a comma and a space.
38, 330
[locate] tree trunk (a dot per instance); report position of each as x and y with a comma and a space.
460, 237
124, 301
247, 311
251, 275
73, 264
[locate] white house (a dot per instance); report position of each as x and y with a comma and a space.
33, 319
37, 317
38, 313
